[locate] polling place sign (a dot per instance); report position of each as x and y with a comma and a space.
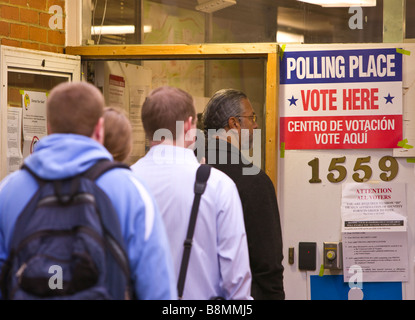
341, 99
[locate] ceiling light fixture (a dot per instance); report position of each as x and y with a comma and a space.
127, 29
214, 5
342, 3
147, 28
286, 37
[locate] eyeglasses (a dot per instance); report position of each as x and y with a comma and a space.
253, 117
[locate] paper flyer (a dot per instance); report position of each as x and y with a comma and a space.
116, 91
374, 231
137, 97
34, 119
14, 139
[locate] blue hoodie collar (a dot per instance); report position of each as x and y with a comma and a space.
59, 156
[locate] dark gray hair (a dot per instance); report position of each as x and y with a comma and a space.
224, 104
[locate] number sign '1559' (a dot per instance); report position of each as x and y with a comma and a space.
362, 170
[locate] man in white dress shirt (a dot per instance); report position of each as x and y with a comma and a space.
219, 261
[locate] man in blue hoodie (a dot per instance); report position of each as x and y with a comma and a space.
74, 144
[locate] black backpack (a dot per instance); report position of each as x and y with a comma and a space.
67, 243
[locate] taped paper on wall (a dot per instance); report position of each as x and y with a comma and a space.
34, 119
374, 231
14, 139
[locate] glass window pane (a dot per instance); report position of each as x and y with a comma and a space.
410, 19
182, 21
17, 81
200, 78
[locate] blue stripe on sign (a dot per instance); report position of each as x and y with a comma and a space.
341, 66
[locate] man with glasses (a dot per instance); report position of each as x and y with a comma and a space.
229, 122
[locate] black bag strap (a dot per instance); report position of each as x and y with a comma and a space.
103, 166
202, 175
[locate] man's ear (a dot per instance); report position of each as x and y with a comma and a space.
188, 124
98, 134
233, 123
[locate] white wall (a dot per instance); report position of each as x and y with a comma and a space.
312, 212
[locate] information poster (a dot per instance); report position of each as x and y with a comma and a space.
374, 232
137, 97
341, 99
126, 86
34, 119
14, 139
116, 91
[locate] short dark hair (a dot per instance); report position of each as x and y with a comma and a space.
224, 104
74, 107
163, 107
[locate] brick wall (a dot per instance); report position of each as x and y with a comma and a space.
25, 24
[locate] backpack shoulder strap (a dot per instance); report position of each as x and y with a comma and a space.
110, 223
103, 166
39, 180
202, 175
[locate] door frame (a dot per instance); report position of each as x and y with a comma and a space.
29, 61
267, 51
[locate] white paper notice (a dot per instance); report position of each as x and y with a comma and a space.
137, 97
374, 207
382, 256
374, 231
14, 139
34, 119
116, 91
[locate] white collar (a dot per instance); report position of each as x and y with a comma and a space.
169, 154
